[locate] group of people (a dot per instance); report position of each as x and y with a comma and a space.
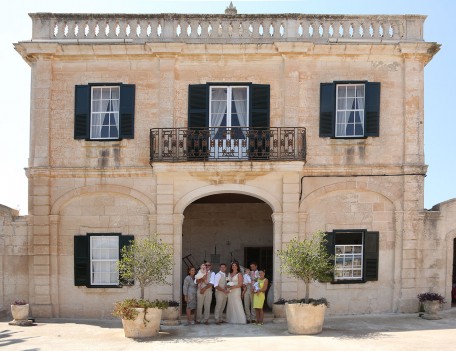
242, 294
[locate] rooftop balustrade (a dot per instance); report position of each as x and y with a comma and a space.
226, 28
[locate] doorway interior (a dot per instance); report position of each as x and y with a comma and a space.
224, 227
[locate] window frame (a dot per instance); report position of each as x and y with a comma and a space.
92, 237
328, 109
373, 238
83, 111
83, 262
359, 111
92, 113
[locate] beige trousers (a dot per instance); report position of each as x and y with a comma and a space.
248, 305
203, 301
220, 302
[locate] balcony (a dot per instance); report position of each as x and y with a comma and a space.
227, 144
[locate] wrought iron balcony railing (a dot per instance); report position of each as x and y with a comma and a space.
227, 144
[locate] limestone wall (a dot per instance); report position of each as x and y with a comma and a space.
14, 258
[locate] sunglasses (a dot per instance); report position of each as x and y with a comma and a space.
208, 265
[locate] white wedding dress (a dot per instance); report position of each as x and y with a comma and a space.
234, 309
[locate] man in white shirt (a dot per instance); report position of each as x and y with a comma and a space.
221, 292
247, 294
204, 295
254, 275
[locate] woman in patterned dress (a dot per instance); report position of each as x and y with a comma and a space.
189, 291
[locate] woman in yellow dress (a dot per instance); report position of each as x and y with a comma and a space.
259, 290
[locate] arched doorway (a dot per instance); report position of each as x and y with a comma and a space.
226, 227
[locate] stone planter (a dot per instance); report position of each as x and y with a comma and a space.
143, 327
280, 314
20, 315
432, 309
305, 318
171, 316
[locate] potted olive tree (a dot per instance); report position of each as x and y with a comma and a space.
309, 261
147, 261
432, 304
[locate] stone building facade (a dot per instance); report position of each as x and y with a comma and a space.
229, 135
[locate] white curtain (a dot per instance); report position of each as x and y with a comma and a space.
218, 108
240, 101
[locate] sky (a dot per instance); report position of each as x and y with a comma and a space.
440, 117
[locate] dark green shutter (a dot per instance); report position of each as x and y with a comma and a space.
82, 112
260, 106
371, 249
198, 122
327, 108
81, 261
127, 111
372, 110
259, 121
125, 240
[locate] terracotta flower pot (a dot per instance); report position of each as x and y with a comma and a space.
143, 327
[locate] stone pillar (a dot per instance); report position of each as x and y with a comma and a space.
39, 187
302, 225
54, 264
165, 222
277, 235
178, 220
152, 224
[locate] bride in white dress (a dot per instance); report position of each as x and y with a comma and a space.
234, 310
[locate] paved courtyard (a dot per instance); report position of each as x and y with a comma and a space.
368, 332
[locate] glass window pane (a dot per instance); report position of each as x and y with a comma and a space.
96, 93
219, 94
106, 93
115, 93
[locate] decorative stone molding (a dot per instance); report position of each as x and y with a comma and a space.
227, 28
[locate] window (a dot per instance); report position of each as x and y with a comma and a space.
349, 109
95, 259
104, 111
104, 254
220, 108
355, 255
104, 121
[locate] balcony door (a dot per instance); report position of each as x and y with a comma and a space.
228, 121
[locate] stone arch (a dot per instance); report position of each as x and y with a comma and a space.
196, 194
343, 186
102, 188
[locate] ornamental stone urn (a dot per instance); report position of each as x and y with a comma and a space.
171, 316
20, 315
431, 309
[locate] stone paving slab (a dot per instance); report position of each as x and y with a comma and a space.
367, 332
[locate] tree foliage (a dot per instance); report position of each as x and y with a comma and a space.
148, 261
307, 260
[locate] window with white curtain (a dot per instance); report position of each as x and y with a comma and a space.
105, 112
350, 102
104, 254
228, 108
